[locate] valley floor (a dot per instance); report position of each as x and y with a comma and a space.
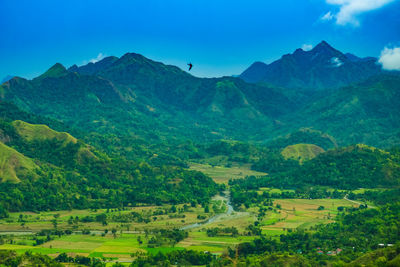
129, 231
122, 246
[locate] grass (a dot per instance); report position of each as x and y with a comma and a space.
13, 164
363, 190
93, 245
154, 251
199, 241
274, 190
301, 152
33, 132
43, 220
222, 175
300, 214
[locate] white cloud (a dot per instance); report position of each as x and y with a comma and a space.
350, 9
328, 16
99, 57
336, 62
307, 47
390, 58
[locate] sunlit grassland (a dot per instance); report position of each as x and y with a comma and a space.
44, 220
222, 174
108, 247
199, 241
273, 190
300, 214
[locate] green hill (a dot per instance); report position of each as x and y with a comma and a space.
345, 168
301, 152
61, 142
34, 132
57, 70
13, 165
366, 113
68, 167
304, 136
389, 256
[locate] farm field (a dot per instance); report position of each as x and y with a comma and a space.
222, 175
286, 215
293, 214
198, 240
85, 219
105, 247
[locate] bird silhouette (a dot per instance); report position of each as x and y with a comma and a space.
190, 66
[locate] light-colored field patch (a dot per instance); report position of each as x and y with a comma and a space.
38, 221
239, 220
70, 254
87, 246
119, 256
118, 247
222, 174
212, 249
301, 214
15, 247
301, 152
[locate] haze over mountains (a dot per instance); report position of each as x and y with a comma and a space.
347, 97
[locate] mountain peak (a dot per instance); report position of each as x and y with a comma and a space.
132, 56
56, 70
6, 79
58, 67
315, 69
94, 67
73, 68
323, 46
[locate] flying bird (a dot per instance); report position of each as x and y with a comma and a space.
190, 66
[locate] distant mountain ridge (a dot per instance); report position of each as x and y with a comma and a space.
140, 98
143, 91
320, 68
6, 79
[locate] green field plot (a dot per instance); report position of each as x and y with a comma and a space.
301, 214
274, 190
86, 219
222, 174
199, 241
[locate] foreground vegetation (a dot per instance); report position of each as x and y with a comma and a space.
114, 235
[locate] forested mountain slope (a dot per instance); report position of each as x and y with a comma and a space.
39, 164
138, 98
320, 68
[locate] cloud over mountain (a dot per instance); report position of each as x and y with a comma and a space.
307, 47
390, 58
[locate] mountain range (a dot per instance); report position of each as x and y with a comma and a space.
6, 79
349, 98
320, 68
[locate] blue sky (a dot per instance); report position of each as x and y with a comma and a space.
218, 37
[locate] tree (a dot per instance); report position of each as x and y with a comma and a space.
206, 209
114, 232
